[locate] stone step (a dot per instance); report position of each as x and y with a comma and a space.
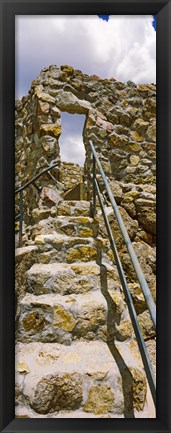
82, 226
22, 410
74, 208
64, 278
63, 248
85, 377
48, 318
24, 259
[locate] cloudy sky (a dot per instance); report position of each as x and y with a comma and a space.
123, 47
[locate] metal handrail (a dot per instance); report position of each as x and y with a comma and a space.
131, 251
36, 177
21, 189
138, 270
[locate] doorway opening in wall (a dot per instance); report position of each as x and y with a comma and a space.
72, 153
71, 141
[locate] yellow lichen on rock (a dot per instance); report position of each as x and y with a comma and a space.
34, 322
100, 399
81, 253
92, 269
125, 330
133, 147
86, 231
139, 389
50, 129
134, 159
136, 137
63, 319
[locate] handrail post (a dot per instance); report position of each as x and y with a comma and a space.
21, 219
94, 186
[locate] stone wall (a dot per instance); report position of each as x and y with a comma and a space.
120, 120
70, 175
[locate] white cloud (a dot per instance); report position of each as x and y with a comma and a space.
123, 47
72, 149
71, 140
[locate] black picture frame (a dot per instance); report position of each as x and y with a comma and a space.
8, 10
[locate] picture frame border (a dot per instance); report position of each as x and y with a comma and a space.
8, 11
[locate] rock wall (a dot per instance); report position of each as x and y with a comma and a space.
70, 175
120, 120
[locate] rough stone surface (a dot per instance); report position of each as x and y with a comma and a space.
138, 297
62, 318
130, 224
49, 197
68, 377
123, 117
24, 258
84, 253
62, 294
146, 256
66, 101
70, 175
82, 226
63, 278
139, 389
151, 348
100, 399
56, 393
146, 325
125, 330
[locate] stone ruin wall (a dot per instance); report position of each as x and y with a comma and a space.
70, 175
120, 119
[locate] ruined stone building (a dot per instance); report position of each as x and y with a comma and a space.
76, 352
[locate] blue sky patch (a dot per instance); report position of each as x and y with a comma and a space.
154, 22
104, 17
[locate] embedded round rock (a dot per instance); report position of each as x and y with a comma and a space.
100, 399
57, 393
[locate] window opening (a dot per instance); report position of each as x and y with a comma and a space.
71, 140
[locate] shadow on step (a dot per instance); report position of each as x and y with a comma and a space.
113, 318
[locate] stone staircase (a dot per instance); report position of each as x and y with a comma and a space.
72, 360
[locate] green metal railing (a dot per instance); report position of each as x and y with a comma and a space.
140, 276
20, 191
